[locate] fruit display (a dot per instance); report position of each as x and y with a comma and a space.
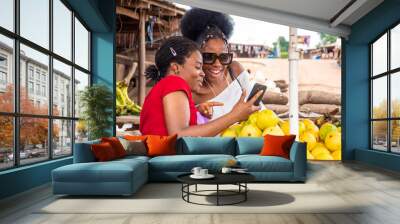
323, 137
125, 106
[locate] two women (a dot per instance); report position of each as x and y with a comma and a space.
169, 107
224, 78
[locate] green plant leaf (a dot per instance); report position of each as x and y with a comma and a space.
96, 102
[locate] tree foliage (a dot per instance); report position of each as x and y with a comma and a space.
380, 127
283, 46
33, 131
327, 39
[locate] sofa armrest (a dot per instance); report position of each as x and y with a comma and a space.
298, 155
83, 152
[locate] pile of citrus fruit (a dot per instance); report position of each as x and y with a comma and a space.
323, 143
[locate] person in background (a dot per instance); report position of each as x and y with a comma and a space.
169, 108
224, 79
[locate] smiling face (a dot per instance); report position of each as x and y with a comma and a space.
214, 72
192, 71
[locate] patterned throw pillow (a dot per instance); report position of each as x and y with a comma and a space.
134, 147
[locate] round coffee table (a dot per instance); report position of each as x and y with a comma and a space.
238, 179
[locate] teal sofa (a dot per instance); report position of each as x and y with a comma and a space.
125, 176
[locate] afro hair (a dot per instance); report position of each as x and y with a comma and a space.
195, 22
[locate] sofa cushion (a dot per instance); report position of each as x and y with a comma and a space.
131, 158
112, 171
249, 145
257, 163
93, 172
206, 145
185, 163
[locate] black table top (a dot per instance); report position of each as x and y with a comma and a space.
220, 178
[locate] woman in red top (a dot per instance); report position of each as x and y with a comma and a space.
169, 108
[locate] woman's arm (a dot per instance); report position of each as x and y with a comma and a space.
177, 116
236, 68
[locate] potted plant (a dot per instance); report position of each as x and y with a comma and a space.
96, 103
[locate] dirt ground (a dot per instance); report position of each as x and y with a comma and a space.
322, 75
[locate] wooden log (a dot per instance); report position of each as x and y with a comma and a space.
319, 108
318, 97
168, 7
275, 98
127, 12
120, 70
128, 119
131, 72
278, 109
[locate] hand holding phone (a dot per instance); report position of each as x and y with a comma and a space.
256, 88
242, 109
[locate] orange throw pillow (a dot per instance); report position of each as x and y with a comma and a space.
277, 145
103, 152
161, 145
116, 145
135, 137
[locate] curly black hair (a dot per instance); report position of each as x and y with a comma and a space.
200, 25
174, 49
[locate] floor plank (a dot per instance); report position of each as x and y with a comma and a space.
377, 190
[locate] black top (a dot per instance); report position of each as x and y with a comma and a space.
220, 178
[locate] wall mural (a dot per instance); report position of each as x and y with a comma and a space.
256, 58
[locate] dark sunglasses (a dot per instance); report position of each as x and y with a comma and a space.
224, 58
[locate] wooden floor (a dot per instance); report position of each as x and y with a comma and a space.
377, 188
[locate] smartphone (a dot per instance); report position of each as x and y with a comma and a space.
257, 87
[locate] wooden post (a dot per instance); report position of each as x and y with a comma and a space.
142, 57
293, 88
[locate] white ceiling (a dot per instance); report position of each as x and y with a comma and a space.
315, 15
321, 9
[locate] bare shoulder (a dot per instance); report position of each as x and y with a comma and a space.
176, 96
236, 68
202, 95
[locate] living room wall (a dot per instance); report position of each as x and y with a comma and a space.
356, 101
100, 17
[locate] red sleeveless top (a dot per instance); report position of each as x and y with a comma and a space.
152, 121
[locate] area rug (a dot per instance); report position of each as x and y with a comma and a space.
166, 198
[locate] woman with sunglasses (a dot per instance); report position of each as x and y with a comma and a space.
224, 79
169, 108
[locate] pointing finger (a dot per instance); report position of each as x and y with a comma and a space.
213, 104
